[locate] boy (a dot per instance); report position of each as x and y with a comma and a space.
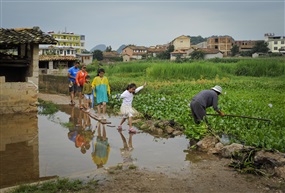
87, 92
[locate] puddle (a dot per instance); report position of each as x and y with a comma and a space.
34, 147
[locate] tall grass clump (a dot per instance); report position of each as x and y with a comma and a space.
260, 68
184, 71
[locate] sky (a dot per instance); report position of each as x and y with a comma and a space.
146, 22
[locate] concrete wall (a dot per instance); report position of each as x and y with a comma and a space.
19, 147
53, 84
17, 97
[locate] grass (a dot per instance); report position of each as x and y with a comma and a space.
58, 185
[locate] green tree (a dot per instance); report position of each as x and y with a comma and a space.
234, 50
98, 55
260, 46
166, 54
108, 49
197, 55
197, 39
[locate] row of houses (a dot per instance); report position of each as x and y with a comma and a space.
215, 46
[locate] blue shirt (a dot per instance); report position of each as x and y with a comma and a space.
72, 71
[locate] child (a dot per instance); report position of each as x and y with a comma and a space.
126, 108
87, 92
80, 80
101, 92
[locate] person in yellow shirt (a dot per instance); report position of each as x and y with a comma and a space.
102, 90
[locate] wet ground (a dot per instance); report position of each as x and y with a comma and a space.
37, 147
69, 142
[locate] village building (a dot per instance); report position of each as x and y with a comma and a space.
69, 40
111, 56
134, 53
85, 58
210, 53
19, 68
54, 64
222, 43
153, 51
245, 45
276, 44
181, 43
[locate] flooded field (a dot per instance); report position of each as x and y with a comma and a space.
36, 147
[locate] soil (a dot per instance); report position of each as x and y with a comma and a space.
209, 174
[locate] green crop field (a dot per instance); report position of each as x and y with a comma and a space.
251, 87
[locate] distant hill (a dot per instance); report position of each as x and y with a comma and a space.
119, 50
101, 47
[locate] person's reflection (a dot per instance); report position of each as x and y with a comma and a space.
126, 151
81, 133
100, 147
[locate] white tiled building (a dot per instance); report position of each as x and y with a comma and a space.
276, 44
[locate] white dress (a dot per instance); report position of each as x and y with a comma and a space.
126, 108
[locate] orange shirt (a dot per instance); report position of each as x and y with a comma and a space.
80, 77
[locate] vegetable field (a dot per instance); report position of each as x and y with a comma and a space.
251, 87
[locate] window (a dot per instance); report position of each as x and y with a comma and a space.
275, 42
216, 40
216, 47
282, 42
275, 48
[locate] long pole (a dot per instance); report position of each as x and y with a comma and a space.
247, 117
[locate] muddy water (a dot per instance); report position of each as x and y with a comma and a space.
38, 146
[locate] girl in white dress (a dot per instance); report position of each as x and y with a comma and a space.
126, 108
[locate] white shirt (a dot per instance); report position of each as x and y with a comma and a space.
128, 97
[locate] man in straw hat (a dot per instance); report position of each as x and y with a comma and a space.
203, 100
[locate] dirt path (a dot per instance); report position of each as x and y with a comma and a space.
204, 176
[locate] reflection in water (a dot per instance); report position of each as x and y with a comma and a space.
100, 147
126, 151
68, 143
80, 131
19, 155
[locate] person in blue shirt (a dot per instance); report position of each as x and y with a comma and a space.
72, 83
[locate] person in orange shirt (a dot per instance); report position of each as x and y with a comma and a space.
80, 80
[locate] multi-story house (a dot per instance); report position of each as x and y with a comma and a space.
181, 43
222, 43
134, 53
245, 45
69, 40
276, 44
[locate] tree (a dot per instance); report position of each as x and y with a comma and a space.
98, 55
234, 50
108, 49
166, 54
260, 46
197, 55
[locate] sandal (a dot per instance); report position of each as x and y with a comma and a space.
72, 103
132, 130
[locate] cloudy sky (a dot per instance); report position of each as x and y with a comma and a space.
147, 22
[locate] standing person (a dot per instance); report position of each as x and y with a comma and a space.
101, 91
87, 92
126, 108
72, 82
80, 80
203, 100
